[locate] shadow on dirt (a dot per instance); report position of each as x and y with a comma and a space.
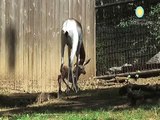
108, 98
23, 99
17, 100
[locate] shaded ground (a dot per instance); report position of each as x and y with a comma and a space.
95, 94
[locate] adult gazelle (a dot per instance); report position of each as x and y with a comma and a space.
72, 35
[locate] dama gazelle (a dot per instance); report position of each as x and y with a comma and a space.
64, 76
71, 35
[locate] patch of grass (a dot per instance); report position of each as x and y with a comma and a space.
141, 113
83, 115
137, 114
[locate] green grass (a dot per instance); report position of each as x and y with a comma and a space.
140, 113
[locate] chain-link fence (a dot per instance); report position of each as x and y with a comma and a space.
126, 43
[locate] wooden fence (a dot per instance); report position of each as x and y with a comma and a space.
30, 41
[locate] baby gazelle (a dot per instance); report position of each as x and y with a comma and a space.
64, 76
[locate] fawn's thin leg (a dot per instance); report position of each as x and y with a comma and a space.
67, 86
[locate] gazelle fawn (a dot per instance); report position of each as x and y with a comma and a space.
64, 76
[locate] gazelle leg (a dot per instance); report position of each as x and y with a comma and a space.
69, 66
77, 63
62, 49
73, 53
67, 86
76, 78
59, 85
71, 72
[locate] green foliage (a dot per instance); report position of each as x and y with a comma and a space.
147, 29
154, 24
152, 21
127, 23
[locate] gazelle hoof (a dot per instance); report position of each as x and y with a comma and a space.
59, 94
67, 91
77, 89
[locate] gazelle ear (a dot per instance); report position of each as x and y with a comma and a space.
87, 62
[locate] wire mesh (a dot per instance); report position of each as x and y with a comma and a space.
123, 46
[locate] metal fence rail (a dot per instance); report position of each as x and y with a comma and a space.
124, 49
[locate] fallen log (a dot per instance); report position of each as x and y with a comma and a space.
118, 80
142, 74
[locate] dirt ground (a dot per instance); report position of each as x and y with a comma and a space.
94, 94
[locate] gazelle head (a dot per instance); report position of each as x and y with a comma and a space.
81, 68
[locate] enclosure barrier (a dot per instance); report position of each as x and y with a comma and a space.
125, 43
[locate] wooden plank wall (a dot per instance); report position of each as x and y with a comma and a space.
30, 41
